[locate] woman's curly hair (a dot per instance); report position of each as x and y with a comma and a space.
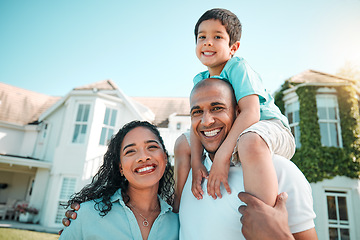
108, 179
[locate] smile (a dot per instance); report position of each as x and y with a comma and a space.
145, 169
209, 53
211, 133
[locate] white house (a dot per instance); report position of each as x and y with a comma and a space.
51, 147
323, 112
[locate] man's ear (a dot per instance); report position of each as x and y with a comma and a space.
237, 110
234, 48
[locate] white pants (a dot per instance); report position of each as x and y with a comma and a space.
278, 138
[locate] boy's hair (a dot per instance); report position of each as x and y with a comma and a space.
228, 19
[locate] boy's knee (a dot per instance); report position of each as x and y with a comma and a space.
251, 143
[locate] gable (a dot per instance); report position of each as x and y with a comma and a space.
163, 107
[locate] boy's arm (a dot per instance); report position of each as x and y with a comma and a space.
198, 169
182, 168
248, 114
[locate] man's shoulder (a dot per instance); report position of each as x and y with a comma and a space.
283, 164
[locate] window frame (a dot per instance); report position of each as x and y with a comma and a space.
81, 123
293, 124
60, 211
329, 95
107, 126
338, 223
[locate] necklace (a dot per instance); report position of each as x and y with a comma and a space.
145, 223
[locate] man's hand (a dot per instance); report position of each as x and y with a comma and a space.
198, 173
260, 221
70, 214
218, 174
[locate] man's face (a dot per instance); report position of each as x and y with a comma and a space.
212, 114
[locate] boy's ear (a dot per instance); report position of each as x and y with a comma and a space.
234, 48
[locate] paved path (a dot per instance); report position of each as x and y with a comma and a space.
27, 226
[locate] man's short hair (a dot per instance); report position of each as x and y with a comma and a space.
211, 81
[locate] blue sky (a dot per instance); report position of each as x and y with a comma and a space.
147, 47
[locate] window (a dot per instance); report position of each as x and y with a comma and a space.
108, 126
338, 218
67, 189
292, 113
329, 122
81, 123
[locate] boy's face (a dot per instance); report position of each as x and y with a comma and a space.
212, 47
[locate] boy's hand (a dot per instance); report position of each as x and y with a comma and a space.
218, 174
198, 173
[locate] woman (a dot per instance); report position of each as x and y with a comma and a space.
130, 196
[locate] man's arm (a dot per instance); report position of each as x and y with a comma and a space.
260, 221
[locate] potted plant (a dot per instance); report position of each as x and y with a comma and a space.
26, 213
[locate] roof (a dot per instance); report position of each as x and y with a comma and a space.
311, 76
163, 107
101, 85
21, 106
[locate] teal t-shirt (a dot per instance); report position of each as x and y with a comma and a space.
120, 223
245, 81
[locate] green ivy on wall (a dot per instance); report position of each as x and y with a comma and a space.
317, 162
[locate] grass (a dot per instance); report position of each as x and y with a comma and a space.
16, 234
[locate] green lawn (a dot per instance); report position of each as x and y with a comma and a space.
16, 234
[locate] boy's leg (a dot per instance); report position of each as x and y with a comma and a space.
182, 167
258, 169
280, 137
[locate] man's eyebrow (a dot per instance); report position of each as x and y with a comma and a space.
217, 103
194, 107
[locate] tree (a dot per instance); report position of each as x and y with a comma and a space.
349, 70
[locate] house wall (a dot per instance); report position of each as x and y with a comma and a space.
45, 147
72, 159
10, 136
49, 208
28, 140
5, 177
17, 185
17, 140
39, 192
339, 183
171, 133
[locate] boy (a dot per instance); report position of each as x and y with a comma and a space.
260, 127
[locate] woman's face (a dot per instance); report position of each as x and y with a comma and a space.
142, 159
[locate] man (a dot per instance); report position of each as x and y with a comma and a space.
213, 110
